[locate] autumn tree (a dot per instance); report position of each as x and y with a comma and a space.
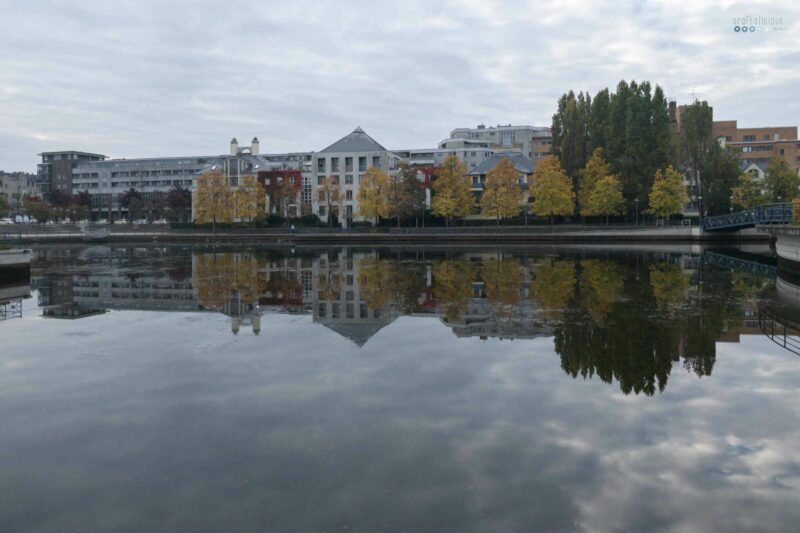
282, 191
601, 283
4, 208
606, 197
131, 200
372, 195
782, 181
668, 195
179, 203
748, 193
597, 167
502, 195
374, 282
250, 198
405, 194
669, 284
213, 199
552, 189
330, 195
452, 190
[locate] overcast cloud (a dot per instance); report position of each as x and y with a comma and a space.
141, 78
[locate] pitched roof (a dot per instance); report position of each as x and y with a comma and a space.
357, 141
523, 164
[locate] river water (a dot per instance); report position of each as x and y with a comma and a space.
172, 388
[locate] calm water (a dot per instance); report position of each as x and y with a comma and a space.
542, 389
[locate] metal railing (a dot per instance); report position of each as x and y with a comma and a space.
765, 214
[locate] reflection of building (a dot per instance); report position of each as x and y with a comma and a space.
15, 286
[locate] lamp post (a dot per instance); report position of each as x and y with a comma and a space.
636, 219
700, 199
731, 203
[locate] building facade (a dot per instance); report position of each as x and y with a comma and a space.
55, 172
759, 145
532, 141
15, 187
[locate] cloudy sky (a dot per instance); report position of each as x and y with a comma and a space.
142, 78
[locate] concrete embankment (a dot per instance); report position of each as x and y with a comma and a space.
411, 236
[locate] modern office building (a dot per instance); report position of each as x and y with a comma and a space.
55, 172
532, 141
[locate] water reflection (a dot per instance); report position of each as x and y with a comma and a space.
625, 318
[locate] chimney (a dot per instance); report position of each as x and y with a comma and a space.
254, 146
234, 146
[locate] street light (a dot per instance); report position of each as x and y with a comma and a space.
636, 220
700, 199
731, 203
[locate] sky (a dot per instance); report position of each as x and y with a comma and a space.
149, 79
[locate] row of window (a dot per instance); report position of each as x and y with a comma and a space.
332, 164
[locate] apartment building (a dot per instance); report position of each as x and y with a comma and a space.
348, 159
16, 186
756, 146
532, 141
55, 172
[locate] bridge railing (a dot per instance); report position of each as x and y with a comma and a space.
764, 214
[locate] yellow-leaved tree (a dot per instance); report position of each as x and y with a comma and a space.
330, 195
595, 169
606, 198
668, 195
372, 195
554, 286
748, 193
213, 199
503, 279
452, 190
250, 198
552, 190
452, 286
502, 195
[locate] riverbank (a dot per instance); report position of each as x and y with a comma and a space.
427, 236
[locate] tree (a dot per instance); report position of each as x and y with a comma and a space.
554, 286
669, 284
330, 195
37, 209
602, 283
4, 208
552, 190
282, 190
748, 194
720, 173
570, 130
405, 194
374, 281
77, 212
179, 203
132, 201
595, 169
782, 181
668, 195
502, 195
696, 139
606, 198
372, 201
213, 199
503, 279
452, 190
249, 198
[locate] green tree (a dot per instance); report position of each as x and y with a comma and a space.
747, 193
668, 195
552, 189
372, 195
452, 190
37, 209
696, 140
406, 193
502, 195
606, 198
781, 181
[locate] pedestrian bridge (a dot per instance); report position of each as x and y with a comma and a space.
765, 214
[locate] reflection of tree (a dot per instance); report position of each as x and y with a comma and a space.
601, 283
503, 279
330, 285
452, 286
217, 277
669, 284
408, 284
284, 289
554, 286
374, 282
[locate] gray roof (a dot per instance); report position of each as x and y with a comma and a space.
357, 141
523, 164
358, 333
743, 165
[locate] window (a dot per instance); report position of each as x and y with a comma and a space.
747, 149
766, 136
322, 210
362, 164
334, 164
348, 179
321, 164
319, 179
348, 164
348, 195
376, 161
349, 210
749, 138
